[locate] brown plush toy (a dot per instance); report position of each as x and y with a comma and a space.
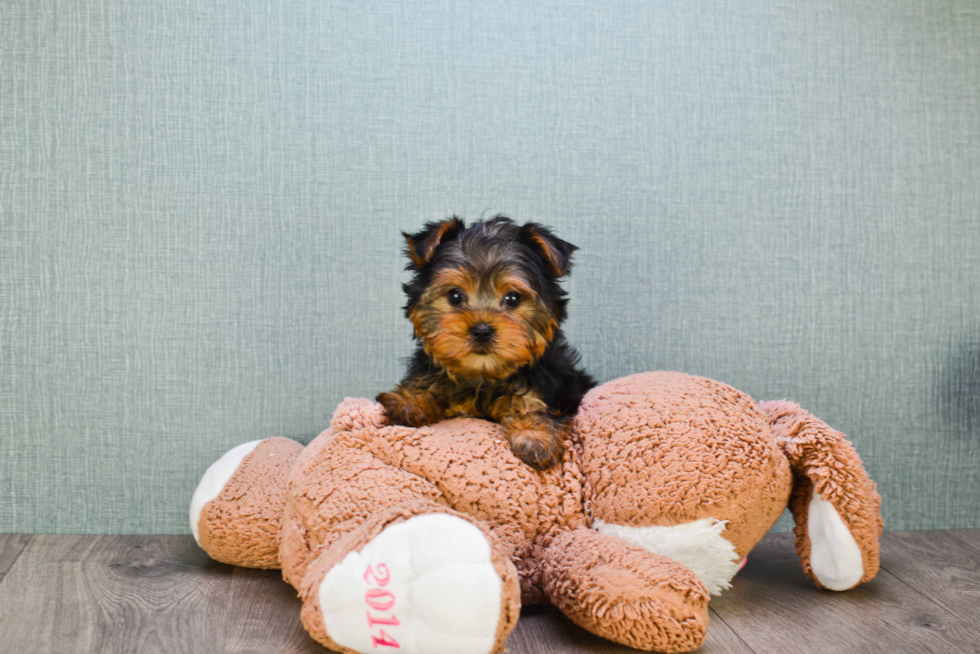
429, 540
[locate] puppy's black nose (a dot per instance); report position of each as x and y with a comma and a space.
481, 332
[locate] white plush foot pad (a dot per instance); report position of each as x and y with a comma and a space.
423, 586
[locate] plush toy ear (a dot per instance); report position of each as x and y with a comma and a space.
836, 507
556, 253
420, 247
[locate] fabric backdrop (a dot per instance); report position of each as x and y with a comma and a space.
200, 206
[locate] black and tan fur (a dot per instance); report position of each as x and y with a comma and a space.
487, 308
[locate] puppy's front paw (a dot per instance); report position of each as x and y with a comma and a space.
402, 409
539, 448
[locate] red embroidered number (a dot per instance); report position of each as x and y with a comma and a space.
391, 622
381, 577
380, 601
384, 639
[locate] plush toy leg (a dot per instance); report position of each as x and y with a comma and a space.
237, 509
419, 578
835, 505
626, 593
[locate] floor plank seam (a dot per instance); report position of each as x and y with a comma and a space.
730, 627
17, 557
958, 535
931, 600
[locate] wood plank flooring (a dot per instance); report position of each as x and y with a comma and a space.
163, 594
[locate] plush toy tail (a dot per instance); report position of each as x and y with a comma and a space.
835, 505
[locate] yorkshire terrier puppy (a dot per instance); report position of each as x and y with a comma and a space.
487, 309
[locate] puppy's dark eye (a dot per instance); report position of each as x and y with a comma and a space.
512, 299
456, 297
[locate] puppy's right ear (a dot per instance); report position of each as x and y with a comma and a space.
420, 247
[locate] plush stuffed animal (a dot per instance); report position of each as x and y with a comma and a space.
429, 540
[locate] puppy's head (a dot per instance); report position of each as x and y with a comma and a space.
485, 300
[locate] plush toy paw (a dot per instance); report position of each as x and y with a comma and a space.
213, 482
626, 593
427, 584
357, 413
236, 512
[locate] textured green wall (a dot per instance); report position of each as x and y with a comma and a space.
200, 205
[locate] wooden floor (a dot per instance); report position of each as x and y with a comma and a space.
163, 594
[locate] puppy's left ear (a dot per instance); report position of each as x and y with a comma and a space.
556, 253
